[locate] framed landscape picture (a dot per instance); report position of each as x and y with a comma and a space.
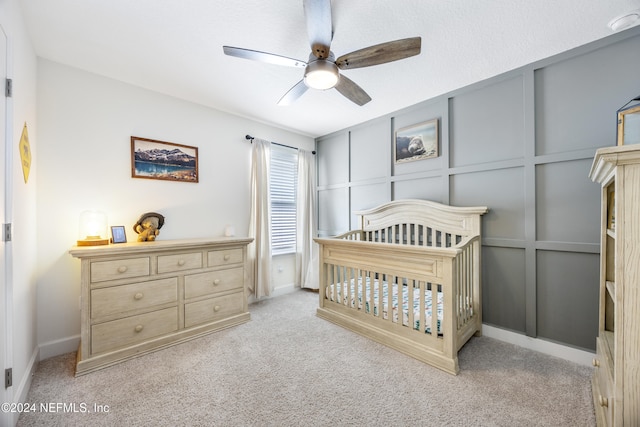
416, 142
153, 159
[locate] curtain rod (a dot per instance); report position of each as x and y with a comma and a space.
249, 137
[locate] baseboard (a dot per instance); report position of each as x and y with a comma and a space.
286, 289
571, 354
25, 382
58, 347
279, 291
22, 389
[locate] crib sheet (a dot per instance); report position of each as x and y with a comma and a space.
415, 301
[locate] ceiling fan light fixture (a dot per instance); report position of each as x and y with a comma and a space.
321, 74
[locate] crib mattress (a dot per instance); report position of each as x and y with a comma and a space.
406, 304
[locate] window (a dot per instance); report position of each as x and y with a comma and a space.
284, 174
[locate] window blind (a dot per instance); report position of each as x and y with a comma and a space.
283, 174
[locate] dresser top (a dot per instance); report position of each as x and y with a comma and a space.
157, 246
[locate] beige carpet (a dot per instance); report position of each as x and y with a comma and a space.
286, 367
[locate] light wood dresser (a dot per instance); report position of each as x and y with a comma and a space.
143, 296
616, 380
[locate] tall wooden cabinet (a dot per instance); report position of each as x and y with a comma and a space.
142, 296
616, 379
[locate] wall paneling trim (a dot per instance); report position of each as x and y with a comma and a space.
520, 143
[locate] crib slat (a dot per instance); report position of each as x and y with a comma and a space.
380, 279
461, 290
348, 285
467, 283
435, 290
423, 313
391, 285
400, 296
359, 293
469, 280
425, 236
458, 281
470, 272
411, 286
462, 284
335, 281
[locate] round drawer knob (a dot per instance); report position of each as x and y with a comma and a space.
216, 308
138, 296
139, 328
596, 363
216, 282
181, 262
122, 269
227, 257
603, 401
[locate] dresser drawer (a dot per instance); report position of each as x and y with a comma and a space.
197, 285
213, 309
131, 330
179, 262
224, 257
120, 299
102, 271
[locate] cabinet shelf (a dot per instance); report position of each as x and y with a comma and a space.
611, 288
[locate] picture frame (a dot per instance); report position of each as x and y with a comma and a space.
153, 159
629, 126
416, 142
118, 234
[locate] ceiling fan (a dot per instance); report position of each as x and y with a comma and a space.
322, 70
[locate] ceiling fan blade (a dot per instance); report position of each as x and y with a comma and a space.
263, 57
352, 91
319, 26
380, 53
293, 94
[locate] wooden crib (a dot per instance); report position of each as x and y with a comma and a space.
409, 279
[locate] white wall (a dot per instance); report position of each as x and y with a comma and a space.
85, 125
21, 208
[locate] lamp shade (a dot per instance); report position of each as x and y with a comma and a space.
93, 229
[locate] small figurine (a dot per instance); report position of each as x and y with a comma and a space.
148, 226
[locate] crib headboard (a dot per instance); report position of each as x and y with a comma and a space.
420, 222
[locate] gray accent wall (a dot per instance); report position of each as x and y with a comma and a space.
521, 144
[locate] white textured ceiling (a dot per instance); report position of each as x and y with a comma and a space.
175, 47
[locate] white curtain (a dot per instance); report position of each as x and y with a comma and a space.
259, 251
306, 248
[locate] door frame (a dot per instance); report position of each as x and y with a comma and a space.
6, 294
